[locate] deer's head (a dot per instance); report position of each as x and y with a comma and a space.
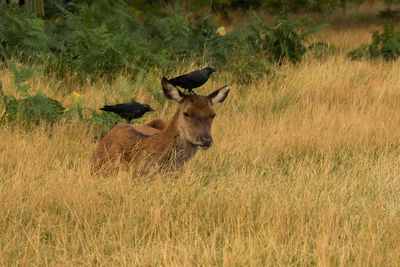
196, 114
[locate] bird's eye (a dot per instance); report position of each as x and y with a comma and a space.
186, 114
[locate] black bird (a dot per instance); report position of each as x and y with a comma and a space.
193, 79
129, 111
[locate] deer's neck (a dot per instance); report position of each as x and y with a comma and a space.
175, 146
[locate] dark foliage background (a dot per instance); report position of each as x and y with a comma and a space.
107, 37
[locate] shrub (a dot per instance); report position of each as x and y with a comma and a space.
384, 45
218, 48
283, 41
33, 109
99, 51
22, 35
181, 39
95, 40
108, 37
30, 108
21, 75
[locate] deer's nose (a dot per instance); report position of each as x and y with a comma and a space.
206, 140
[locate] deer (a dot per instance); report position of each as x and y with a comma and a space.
158, 142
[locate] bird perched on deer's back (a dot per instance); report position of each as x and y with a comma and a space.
193, 79
129, 111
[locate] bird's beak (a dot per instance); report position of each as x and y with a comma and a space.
213, 70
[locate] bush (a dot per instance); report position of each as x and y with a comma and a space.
108, 37
30, 109
283, 41
384, 45
22, 35
181, 40
33, 109
95, 40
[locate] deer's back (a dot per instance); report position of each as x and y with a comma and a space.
121, 143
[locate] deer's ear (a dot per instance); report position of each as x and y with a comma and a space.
218, 96
171, 92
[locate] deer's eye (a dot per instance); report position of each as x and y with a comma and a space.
186, 114
213, 116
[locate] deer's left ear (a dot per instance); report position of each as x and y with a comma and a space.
218, 96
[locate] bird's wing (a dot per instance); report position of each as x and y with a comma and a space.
190, 80
184, 79
121, 107
178, 81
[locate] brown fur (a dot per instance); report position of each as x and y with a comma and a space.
159, 142
157, 123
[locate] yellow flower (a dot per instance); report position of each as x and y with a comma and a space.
221, 31
76, 94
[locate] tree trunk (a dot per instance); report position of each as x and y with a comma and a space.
36, 6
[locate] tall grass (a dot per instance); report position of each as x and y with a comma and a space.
304, 171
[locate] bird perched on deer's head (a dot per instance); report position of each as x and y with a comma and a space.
193, 79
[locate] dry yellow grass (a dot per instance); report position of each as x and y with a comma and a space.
304, 171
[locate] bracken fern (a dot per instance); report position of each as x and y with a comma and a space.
22, 35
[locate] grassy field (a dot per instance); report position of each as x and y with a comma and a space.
304, 170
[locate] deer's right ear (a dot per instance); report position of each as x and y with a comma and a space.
171, 92
218, 96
